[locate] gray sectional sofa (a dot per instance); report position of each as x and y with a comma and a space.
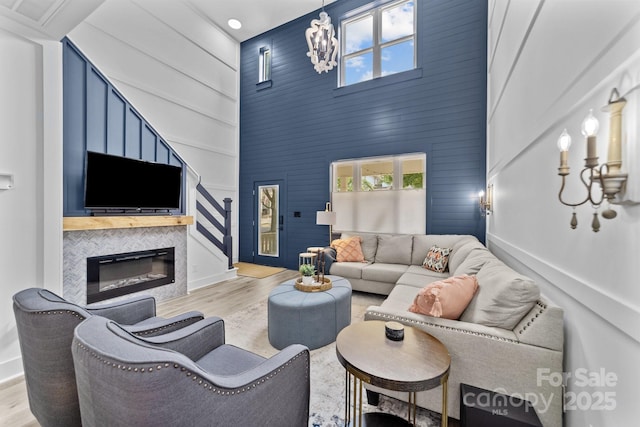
509, 338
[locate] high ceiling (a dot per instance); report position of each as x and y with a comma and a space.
256, 16
55, 18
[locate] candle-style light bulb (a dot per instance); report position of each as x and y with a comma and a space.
590, 128
564, 141
590, 125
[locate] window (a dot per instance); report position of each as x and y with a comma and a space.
380, 173
377, 175
344, 177
413, 173
265, 65
389, 194
378, 42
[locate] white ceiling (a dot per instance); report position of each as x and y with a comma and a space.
256, 16
56, 18
49, 19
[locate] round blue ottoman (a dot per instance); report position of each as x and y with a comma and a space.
310, 318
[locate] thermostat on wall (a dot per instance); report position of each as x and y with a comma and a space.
6, 181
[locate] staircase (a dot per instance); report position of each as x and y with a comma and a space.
205, 217
212, 218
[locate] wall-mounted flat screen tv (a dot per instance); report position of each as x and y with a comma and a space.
119, 183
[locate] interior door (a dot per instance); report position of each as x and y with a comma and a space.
269, 225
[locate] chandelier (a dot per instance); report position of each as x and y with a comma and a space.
609, 175
323, 45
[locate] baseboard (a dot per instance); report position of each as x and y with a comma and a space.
210, 280
11, 369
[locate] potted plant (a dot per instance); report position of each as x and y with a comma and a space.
307, 271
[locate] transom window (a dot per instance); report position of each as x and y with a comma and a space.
401, 172
378, 42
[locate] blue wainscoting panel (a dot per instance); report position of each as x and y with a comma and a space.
98, 118
162, 153
74, 125
116, 108
303, 122
96, 113
148, 144
133, 126
175, 161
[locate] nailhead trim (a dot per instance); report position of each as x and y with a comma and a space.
162, 328
447, 328
56, 312
543, 307
141, 333
200, 381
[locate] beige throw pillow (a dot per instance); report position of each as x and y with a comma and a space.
394, 249
503, 297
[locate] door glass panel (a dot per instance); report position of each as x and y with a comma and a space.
268, 202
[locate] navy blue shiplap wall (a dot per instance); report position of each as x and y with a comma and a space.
98, 118
294, 129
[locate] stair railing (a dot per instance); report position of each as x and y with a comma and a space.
226, 244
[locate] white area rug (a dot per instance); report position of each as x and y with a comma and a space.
248, 329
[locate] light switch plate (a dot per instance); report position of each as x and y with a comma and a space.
6, 181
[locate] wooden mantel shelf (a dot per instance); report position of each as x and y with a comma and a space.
75, 223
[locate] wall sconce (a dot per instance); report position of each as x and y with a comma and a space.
486, 203
323, 45
609, 174
326, 217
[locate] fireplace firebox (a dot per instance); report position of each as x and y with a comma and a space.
111, 276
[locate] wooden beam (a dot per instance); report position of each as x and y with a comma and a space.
106, 222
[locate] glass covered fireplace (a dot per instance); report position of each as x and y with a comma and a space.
110, 276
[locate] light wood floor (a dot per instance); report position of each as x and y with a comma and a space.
221, 299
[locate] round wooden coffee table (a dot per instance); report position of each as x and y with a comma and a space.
419, 362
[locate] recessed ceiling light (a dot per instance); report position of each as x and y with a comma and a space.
234, 23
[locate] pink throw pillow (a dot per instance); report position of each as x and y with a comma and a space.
446, 298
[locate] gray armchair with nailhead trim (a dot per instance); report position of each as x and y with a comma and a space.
45, 324
189, 377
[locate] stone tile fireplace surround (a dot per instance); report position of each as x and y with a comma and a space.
79, 244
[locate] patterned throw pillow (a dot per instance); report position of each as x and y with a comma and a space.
437, 259
446, 298
348, 250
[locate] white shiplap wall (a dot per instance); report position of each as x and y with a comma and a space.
31, 151
180, 72
548, 63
